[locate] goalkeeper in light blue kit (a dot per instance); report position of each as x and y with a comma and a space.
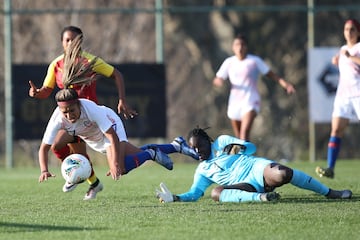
242, 177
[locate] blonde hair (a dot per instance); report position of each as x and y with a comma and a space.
76, 70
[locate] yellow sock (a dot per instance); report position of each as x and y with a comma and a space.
92, 179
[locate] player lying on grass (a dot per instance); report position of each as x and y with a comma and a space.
99, 126
241, 177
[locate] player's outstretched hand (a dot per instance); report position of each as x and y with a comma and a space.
33, 90
164, 195
115, 174
127, 111
45, 175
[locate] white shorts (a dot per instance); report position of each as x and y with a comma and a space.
237, 111
348, 108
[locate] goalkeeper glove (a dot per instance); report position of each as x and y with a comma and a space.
164, 195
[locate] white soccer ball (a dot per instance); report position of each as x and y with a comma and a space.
75, 168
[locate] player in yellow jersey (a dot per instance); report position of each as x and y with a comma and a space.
54, 77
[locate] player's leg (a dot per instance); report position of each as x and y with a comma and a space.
246, 124
236, 126
343, 110
242, 192
95, 186
60, 147
275, 175
135, 157
178, 145
338, 126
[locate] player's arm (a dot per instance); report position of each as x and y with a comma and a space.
103, 68
122, 105
196, 191
353, 58
335, 60
218, 82
41, 93
286, 85
115, 155
48, 84
43, 162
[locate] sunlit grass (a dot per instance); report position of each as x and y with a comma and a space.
128, 209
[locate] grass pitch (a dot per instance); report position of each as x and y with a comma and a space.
128, 209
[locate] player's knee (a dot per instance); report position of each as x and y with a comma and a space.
215, 193
276, 175
60, 153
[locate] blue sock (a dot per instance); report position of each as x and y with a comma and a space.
136, 160
333, 151
165, 148
305, 181
236, 195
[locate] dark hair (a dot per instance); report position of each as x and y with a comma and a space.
241, 36
66, 94
71, 29
200, 132
356, 24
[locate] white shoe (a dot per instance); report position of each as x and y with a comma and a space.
68, 187
91, 193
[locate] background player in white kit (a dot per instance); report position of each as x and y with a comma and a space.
347, 99
243, 70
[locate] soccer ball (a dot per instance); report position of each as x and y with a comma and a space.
75, 168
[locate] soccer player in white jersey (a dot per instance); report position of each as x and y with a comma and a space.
99, 126
102, 130
347, 99
241, 176
243, 71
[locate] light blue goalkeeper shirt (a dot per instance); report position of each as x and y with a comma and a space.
226, 169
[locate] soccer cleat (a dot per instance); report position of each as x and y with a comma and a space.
325, 172
91, 193
68, 187
181, 146
335, 194
269, 196
162, 159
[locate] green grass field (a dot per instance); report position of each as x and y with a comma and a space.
128, 209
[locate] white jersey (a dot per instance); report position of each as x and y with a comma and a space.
243, 76
347, 99
94, 121
349, 81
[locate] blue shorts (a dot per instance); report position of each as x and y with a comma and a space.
256, 175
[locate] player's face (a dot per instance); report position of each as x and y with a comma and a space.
351, 33
68, 36
239, 48
71, 112
202, 146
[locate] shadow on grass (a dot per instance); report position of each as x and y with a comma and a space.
24, 227
309, 200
